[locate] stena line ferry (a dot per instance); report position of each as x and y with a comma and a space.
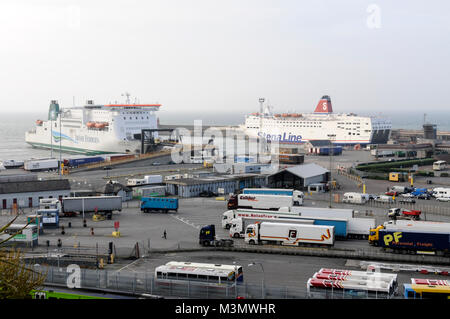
94, 128
295, 128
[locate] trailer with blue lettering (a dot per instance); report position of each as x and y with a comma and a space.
164, 204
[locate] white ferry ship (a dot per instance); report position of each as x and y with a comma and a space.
295, 128
94, 129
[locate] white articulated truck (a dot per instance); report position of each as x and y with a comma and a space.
345, 224
296, 195
289, 234
229, 215
238, 225
101, 204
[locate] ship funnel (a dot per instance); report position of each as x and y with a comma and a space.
53, 110
324, 105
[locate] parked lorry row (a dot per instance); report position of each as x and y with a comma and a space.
346, 226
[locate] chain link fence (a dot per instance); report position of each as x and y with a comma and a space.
145, 283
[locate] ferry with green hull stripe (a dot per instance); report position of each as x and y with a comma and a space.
94, 129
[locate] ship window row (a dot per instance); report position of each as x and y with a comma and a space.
136, 118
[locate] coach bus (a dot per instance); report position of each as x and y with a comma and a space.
211, 274
343, 289
22, 235
413, 291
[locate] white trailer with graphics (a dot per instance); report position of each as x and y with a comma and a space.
289, 234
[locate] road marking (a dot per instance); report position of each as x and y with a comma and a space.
128, 265
187, 222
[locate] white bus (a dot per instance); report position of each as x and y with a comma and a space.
200, 273
323, 288
340, 274
24, 235
439, 165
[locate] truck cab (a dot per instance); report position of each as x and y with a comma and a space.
232, 202
207, 235
251, 234
226, 219
236, 227
374, 235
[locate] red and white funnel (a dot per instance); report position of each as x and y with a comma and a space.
324, 105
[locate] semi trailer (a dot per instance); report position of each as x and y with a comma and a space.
289, 234
297, 195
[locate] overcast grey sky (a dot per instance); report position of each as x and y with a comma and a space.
207, 55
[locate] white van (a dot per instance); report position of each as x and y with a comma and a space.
355, 198
385, 199
441, 192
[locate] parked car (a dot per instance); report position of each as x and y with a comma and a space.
407, 200
424, 196
391, 193
373, 197
443, 199
407, 195
207, 194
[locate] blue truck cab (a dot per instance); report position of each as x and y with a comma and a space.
164, 204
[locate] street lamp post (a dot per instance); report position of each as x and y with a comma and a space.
331, 137
235, 279
264, 277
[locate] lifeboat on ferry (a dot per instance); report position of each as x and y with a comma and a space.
284, 115
255, 114
277, 115
100, 125
90, 124
295, 115
39, 122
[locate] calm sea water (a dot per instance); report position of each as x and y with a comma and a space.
14, 125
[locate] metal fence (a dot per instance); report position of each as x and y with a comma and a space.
145, 283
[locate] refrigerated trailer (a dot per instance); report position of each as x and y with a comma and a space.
295, 194
289, 234
35, 165
259, 201
229, 215
238, 225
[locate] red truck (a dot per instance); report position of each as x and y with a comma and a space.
400, 213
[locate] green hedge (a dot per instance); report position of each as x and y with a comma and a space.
388, 166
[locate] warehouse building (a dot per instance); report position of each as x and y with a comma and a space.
26, 190
299, 176
225, 184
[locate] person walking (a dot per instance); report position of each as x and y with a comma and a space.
164, 234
